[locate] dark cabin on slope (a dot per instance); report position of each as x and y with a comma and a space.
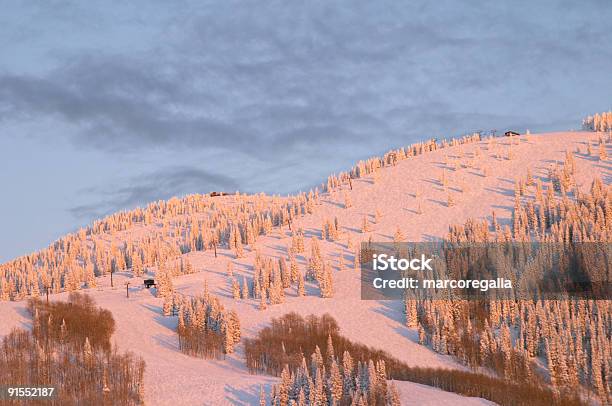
511, 134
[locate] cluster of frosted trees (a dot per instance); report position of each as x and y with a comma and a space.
165, 286
69, 348
505, 336
271, 277
548, 214
571, 336
598, 122
205, 328
391, 158
330, 230
196, 222
345, 382
320, 270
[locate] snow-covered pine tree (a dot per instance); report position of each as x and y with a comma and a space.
335, 383
365, 227
603, 154
235, 289
301, 289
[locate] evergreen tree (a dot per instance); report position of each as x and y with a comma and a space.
301, 289
283, 389
335, 383
87, 351
235, 289
262, 396
603, 154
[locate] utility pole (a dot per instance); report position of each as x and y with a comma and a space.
127, 290
111, 272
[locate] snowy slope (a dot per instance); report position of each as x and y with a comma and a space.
174, 378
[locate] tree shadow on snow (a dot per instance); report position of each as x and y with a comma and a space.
242, 397
168, 322
168, 342
334, 203
501, 191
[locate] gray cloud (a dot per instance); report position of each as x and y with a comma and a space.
275, 78
160, 184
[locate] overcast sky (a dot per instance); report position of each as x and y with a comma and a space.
105, 106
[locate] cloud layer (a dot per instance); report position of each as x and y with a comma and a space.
160, 184
279, 77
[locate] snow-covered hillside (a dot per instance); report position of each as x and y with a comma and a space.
412, 195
